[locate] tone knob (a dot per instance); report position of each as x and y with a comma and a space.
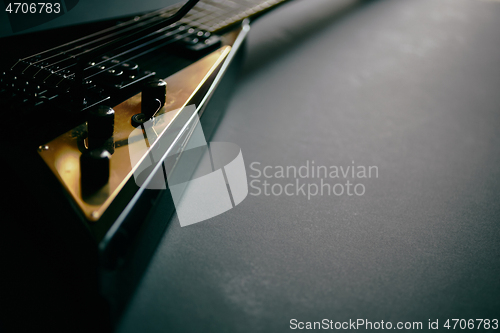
154, 96
94, 170
100, 126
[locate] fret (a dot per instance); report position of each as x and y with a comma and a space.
217, 4
194, 16
206, 18
214, 18
197, 18
210, 8
212, 15
219, 14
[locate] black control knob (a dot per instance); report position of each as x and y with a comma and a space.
154, 95
94, 170
100, 126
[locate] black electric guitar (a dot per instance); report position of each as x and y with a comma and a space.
70, 107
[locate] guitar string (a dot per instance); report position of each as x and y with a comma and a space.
187, 19
62, 53
71, 57
209, 19
162, 12
194, 31
150, 21
172, 31
242, 12
118, 26
153, 16
101, 45
197, 23
160, 30
191, 31
165, 42
197, 16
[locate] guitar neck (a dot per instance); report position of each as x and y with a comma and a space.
215, 15
84, 72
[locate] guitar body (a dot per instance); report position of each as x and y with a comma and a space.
72, 258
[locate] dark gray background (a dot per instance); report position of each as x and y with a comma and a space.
409, 86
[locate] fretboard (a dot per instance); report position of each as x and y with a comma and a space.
213, 15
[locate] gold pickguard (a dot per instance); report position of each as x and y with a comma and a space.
62, 154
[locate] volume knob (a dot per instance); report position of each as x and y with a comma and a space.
154, 96
100, 126
94, 170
